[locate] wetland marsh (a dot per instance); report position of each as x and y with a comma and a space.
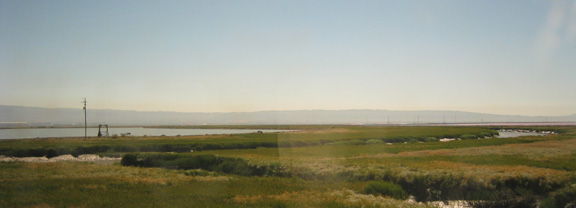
318, 166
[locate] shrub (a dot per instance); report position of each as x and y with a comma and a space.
468, 136
129, 160
90, 150
485, 134
565, 197
50, 153
385, 189
347, 142
228, 165
32, 152
374, 141
235, 166
206, 162
430, 139
124, 148
396, 139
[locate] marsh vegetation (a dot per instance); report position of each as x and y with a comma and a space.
318, 166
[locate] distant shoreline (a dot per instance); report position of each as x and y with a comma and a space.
283, 126
506, 124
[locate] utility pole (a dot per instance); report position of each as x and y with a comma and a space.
85, 120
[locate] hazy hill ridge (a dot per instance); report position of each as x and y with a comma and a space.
70, 116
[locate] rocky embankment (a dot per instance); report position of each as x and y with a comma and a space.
80, 158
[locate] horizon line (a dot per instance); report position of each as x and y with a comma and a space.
351, 109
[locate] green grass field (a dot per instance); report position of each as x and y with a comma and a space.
318, 166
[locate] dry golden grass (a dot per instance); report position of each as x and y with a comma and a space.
74, 170
343, 197
490, 171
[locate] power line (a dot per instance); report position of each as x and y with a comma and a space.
85, 120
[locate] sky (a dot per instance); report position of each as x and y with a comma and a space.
515, 57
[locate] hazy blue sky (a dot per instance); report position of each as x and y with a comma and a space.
492, 56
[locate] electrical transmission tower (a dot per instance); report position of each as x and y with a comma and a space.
85, 120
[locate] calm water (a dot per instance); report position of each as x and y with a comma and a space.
92, 132
509, 134
139, 131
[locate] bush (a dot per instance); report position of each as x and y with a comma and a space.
374, 141
347, 142
485, 134
396, 139
385, 189
228, 165
90, 150
565, 197
50, 153
124, 148
32, 152
235, 166
430, 139
130, 160
468, 136
206, 162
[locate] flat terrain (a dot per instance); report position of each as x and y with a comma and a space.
318, 166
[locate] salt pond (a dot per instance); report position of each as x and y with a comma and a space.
140, 131
511, 133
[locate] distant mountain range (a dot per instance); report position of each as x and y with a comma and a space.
36, 116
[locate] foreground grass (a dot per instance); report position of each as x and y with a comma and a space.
92, 185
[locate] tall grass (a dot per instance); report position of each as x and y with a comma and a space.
93, 185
